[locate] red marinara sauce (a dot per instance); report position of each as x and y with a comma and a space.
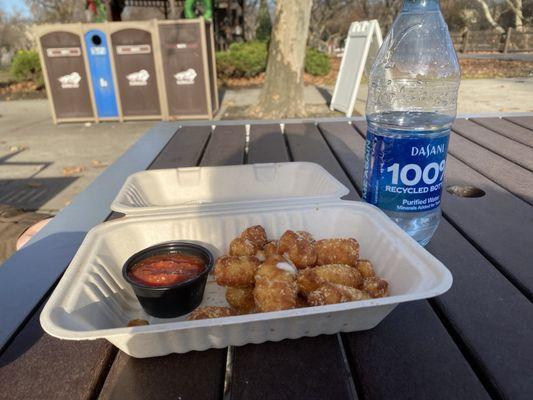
167, 269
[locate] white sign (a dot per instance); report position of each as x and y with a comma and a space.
98, 51
63, 52
70, 81
186, 77
361, 47
134, 49
139, 78
103, 83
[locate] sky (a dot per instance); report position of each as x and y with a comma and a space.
11, 6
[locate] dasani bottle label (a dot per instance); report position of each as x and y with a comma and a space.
404, 174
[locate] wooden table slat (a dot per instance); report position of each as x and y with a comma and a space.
508, 129
505, 173
270, 370
267, 144
411, 356
392, 379
184, 149
525, 121
226, 146
307, 368
38, 366
501, 145
475, 283
194, 375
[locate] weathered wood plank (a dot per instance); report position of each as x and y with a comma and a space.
501, 313
495, 222
411, 356
306, 144
492, 318
526, 122
226, 146
38, 366
275, 370
184, 149
510, 176
387, 376
194, 375
508, 129
267, 144
307, 368
505, 147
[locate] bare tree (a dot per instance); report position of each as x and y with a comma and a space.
283, 92
485, 10
516, 6
13, 32
251, 8
57, 10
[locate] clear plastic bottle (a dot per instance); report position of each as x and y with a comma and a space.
412, 103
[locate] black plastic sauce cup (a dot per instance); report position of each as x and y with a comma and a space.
174, 300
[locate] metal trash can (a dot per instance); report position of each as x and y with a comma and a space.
135, 69
103, 83
188, 67
65, 72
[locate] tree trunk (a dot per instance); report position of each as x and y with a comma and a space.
282, 95
488, 16
516, 6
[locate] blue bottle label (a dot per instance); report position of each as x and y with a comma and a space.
404, 174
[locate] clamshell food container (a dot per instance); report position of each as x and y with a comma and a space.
211, 206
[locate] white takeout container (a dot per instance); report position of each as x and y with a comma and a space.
93, 301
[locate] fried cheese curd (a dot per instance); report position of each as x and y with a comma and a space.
252, 240
275, 285
376, 287
365, 268
211, 312
241, 299
311, 279
299, 247
236, 271
332, 293
337, 251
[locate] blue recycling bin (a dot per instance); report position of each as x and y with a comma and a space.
101, 73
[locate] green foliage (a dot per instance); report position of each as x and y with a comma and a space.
242, 60
317, 63
27, 67
245, 60
264, 24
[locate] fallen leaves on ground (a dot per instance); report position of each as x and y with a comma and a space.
16, 148
75, 170
34, 184
99, 164
483, 68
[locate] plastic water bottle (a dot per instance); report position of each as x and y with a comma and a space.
412, 103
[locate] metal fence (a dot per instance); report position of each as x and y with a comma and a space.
480, 41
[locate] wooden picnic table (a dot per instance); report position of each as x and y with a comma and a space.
474, 342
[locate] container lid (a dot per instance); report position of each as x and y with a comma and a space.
187, 189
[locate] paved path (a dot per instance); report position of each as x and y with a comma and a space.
41, 166
484, 96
